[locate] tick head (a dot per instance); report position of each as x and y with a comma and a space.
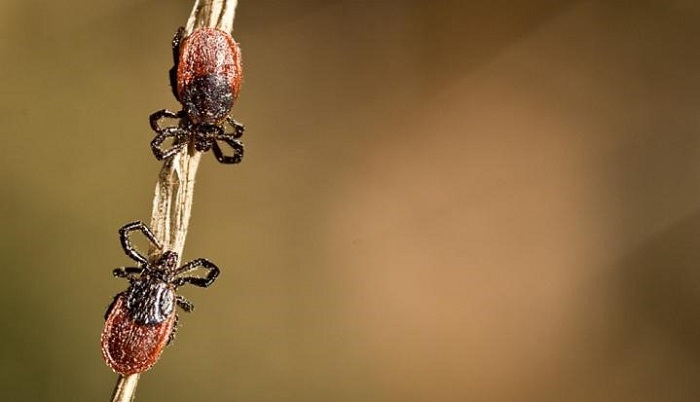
167, 262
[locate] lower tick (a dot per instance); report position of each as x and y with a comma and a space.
142, 320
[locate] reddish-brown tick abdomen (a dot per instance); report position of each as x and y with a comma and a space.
129, 347
209, 75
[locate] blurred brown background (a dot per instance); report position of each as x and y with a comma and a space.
440, 201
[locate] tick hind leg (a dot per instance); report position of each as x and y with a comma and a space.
185, 304
111, 305
177, 40
163, 133
173, 333
238, 128
127, 272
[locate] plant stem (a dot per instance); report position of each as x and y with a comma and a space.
125, 389
174, 192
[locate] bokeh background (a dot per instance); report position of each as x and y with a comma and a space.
440, 201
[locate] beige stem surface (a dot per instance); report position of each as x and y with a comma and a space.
174, 193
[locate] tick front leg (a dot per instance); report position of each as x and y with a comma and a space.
125, 232
166, 133
156, 117
192, 265
235, 144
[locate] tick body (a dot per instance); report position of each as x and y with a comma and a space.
209, 75
142, 320
131, 347
205, 79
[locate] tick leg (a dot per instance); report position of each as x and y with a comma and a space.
129, 249
165, 133
155, 118
173, 333
205, 136
111, 305
192, 265
185, 304
127, 272
177, 40
238, 128
235, 144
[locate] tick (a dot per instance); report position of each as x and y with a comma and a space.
205, 79
142, 320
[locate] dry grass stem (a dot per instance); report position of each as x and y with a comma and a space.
174, 192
